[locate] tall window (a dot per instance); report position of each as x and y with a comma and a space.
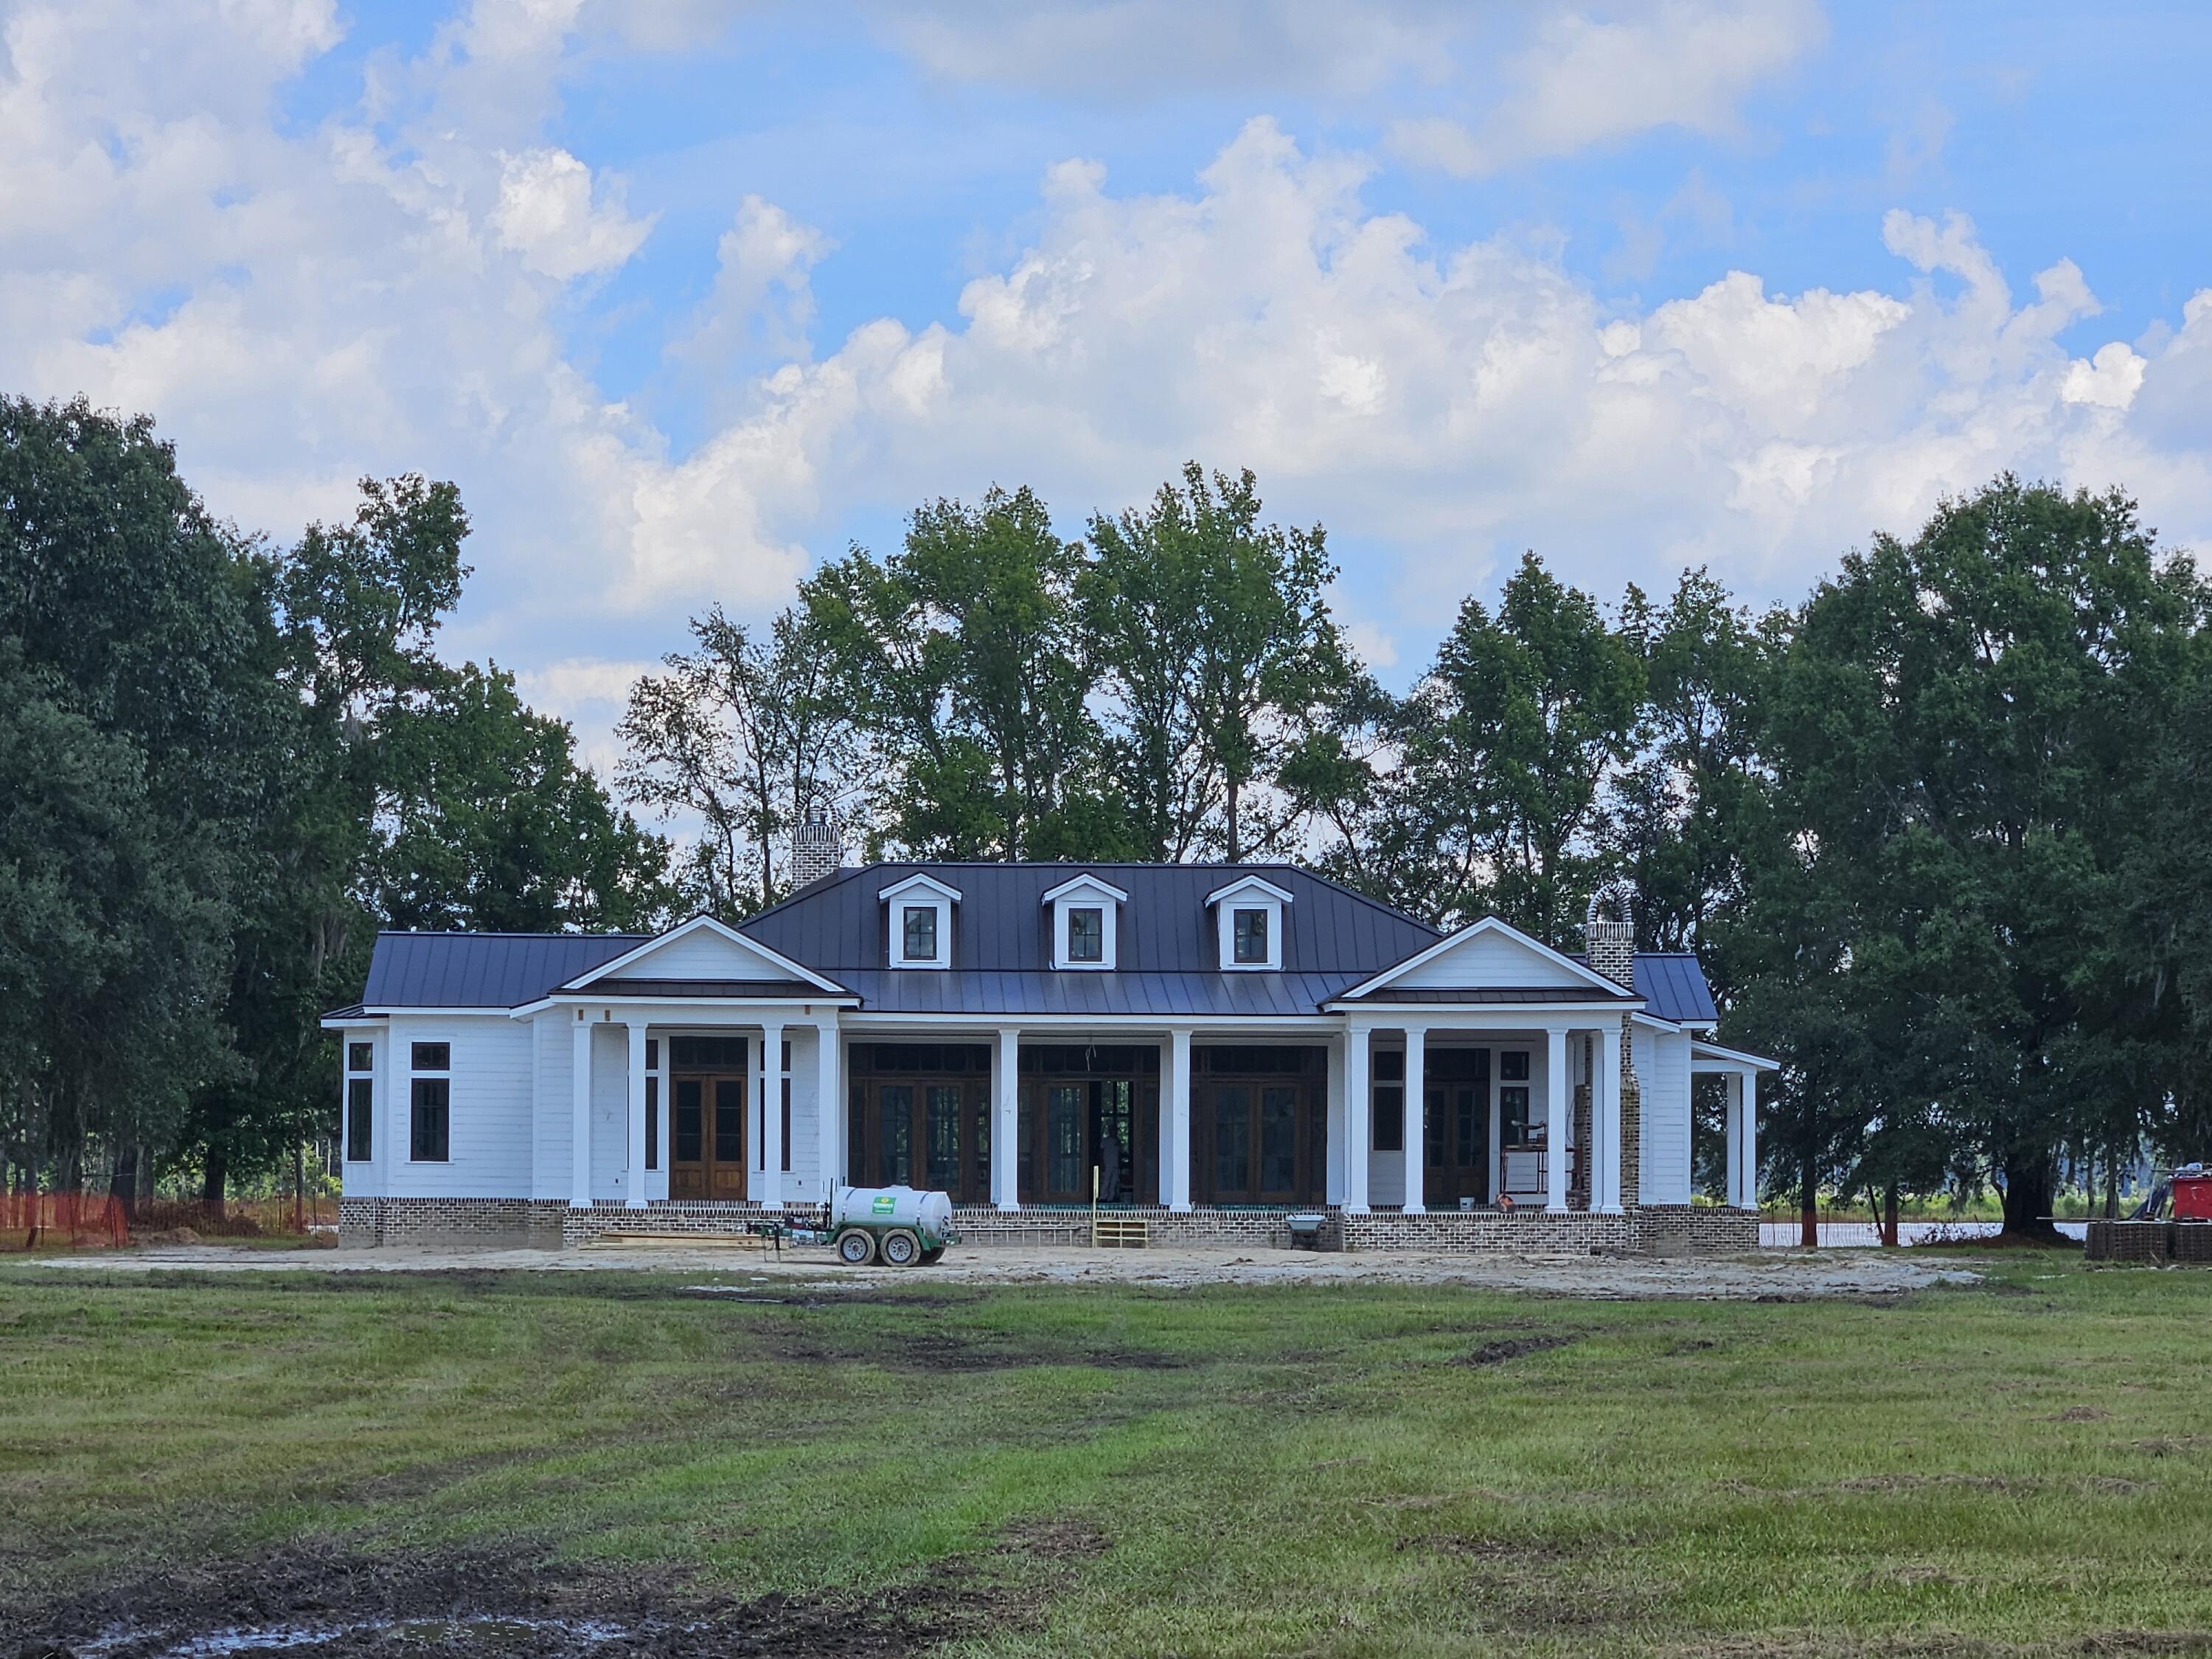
1086, 935
1251, 935
920, 941
430, 1102
361, 1101
1389, 1101
1514, 1127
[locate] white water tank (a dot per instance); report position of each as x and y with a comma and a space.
929, 1214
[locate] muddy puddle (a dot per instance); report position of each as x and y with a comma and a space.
330, 1600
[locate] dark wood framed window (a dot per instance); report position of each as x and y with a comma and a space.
1088, 1107
361, 1101
1249, 935
1387, 1102
1259, 1125
1086, 934
920, 928
431, 1057
430, 1120
920, 1116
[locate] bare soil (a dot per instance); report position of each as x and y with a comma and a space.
1778, 1275
329, 1599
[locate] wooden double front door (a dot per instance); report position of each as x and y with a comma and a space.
1456, 1127
710, 1090
1259, 1125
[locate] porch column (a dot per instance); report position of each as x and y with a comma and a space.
771, 1140
1731, 1117
634, 1177
829, 1107
1416, 1136
1334, 1191
388, 1114
1558, 1117
1175, 1131
1006, 1120
1356, 1132
1605, 1124
580, 1114
1743, 1139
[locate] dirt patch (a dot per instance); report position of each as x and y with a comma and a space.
1061, 1538
2081, 1414
1504, 1348
946, 1351
330, 1600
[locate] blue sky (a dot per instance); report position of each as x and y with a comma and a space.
688, 295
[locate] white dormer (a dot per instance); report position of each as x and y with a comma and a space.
1085, 923
1248, 913
919, 928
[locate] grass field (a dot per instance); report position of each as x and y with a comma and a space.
2023, 1466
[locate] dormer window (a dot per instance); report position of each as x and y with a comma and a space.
1249, 912
918, 924
1085, 923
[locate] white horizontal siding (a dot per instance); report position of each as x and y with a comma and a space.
1663, 1073
1489, 959
490, 1129
552, 1041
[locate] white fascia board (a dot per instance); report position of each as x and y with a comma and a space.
1247, 885
1729, 1059
920, 882
1478, 1013
1492, 925
720, 930
845, 999
1085, 883
1231, 1028
354, 1023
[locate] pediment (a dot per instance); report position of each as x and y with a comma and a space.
1490, 955
704, 949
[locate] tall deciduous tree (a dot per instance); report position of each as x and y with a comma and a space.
745, 734
1957, 725
962, 657
1213, 633
1508, 740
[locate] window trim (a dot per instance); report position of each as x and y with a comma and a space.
1096, 913
420, 1074
1086, 892
1237, 915
1251, 892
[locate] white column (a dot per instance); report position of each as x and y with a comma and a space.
387, 1117
634, 1177
829, 1109
1333, 1191
666, 1139
771, 1192
1005, 1120
579, 1115
1416, 1136
1175, 1126
1559, 1115
1605, 1124
1357, 1131
1732, 1115
1744, 1145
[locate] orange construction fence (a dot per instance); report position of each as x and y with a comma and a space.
30, 1221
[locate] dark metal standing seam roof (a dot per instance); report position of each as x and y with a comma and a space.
483, 970
1167, 949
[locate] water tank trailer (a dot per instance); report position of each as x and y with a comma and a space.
898, 1226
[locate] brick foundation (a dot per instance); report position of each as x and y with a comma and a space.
511, 1221
1668, 1229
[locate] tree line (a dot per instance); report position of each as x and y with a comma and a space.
1932, 830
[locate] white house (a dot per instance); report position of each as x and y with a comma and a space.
1209, 1048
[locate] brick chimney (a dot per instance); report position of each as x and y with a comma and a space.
816, 847
1613, 943
1612, 946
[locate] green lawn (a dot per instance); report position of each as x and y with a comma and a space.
2022, 1465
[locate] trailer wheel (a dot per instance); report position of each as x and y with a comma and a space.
856, 1248
933, 1255
901, 1248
